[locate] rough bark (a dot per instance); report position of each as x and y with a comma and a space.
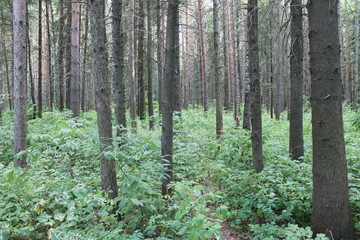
347, 86
67, 54
40, 104
219, 106
84, 61
140, 61
226, 75
7, 75
118, 65
254, 72
102, 95
75, 59
150, 65
331, 212
159, 56
132, 64
279, 87
60, 59
20, 125
169, 88
296, 82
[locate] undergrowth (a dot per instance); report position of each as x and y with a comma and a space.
59, 196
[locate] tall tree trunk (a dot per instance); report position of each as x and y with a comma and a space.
75, 59
149, 65
246, 80
6, 64
254, 71
357, 40
296, 82
140, 61
226, 75
49, 64
216, 59
20, 125
118, 63
347, 86
67, 48
331, 212
84, 61
32, 86
279, 88
102, 95
160, 67
40, 61
60, 59
169, 90
132, 64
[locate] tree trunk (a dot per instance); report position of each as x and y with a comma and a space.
169, 88
102, 95
67, 48
331, 212
40, 61
118, 64
60, 60
279, 88
140, 60
219, 106
149, 65
356, 72
132, 64
32, 87
6, 63
84, 78
296, 82
20, 125
75, 59
49, 63
254, 72
347, 86
226, 75
160, 67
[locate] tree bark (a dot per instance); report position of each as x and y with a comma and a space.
20, 125
60, 60
150, 65
40, 105
279, 87
356, 72
102, 95
219, 106
84, 61
132, 65
226, 75
296, 82
75, 59
140, 61
6, 65
331, 212
169, 90
118, 64
347, 86
254, 72
160, 67
67, 55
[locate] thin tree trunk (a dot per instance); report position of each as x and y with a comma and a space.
6, 64
102, 95
50, 72
140, 61
160, 68
357, 40
347, 86
132, 64
254, 71
67, 48
169, 92
219, 106
149, 65
296, 82
84, 78
32, 87
226, 75
279, 88
75, 59
60, 59
20, 125
331, 210
40, 61
118, 63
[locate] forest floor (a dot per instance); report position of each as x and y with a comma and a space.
216, 195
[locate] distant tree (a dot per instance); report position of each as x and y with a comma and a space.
255, 92
75, 59
132, 75
67, 54
279, 85
140, 60
219, 106
40, 36
296, 81
170, 84
20, 125
60, 56
159, 54
149, 64
331, 212
102, 95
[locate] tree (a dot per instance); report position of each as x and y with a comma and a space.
159, 54
296, 81
255, 92
357, 40
118, 64
331, 212
140, 61
75, 59
102, 93
40, 61
149, 65
132, 64
60, 59
219, 106
279, 88
20, 125
169, 88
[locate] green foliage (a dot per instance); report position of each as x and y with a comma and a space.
59, 196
